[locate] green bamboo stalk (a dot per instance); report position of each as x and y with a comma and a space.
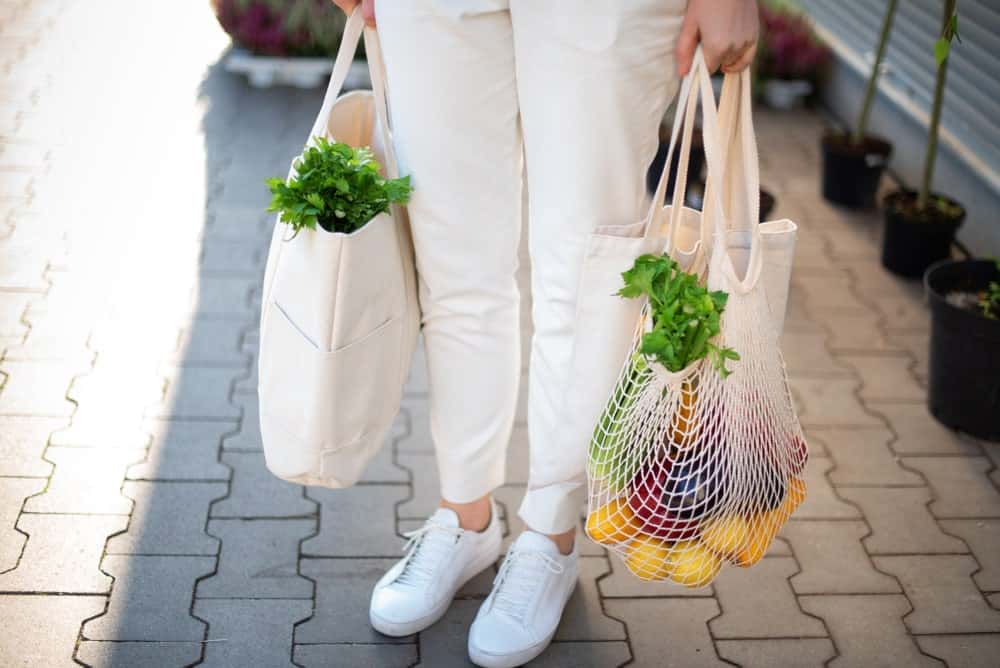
862, 125
932, 131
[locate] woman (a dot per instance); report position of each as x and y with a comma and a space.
580, 87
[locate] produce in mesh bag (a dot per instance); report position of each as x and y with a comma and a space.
687, 469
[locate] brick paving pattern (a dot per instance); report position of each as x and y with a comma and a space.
139, 526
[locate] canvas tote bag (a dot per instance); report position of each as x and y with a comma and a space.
339, 312
692, 469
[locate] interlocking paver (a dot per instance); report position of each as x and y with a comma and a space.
807, 354
830, 402
225, 296
920, 434
183, 451
211, 342
259, 559
759, 603
247, 436
854, 331
356, 522
583, 655
343, 591
583, 619
900, 521
22, 440
41, 630
868, 630
12, 308
833, 559
225, 257
774, 652
686, 618
886, 378
168, 518
961, 486
864, 457
256, 492
415, 414
13, 492
382, 467
968, 651
983, 538
418, 382
62, 554
902, 313
352, 655
426, 488
113, 653
85, 480
821, 501
151, 599
37, 388
445, 644
944, 597
827, 292
196, 392
250, 632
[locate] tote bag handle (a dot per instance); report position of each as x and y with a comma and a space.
353, 30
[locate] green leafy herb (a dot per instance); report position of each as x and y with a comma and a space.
685, 314
989, 302
337, 187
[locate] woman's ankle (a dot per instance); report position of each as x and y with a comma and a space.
473, 516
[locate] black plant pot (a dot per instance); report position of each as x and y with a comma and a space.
851, 173
964, 391
766, 204
695, 163
914, 239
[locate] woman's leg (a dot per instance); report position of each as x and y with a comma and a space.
455, 120
594, 78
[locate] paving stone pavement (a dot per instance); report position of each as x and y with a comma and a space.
139, 525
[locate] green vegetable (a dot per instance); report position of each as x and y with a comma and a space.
685, 314
336, 186
989, 302
606, 444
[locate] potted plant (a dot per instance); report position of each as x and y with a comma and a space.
337, 187
284, 41
853, 162
964, 369
920, 226
790, 57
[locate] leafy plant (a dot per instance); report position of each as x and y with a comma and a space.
862, 124
942, 51
336, 186
686, 316
789, 47
989, 302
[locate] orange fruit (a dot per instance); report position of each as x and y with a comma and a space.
763, 528
693, 564
614, 522
726, 535
682, 421
649, 558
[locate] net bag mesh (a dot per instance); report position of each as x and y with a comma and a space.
690, 470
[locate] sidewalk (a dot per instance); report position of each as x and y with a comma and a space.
139, 526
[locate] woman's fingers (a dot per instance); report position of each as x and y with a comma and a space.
742, 60
687, 41
368, 11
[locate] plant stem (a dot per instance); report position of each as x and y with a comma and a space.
932, 130
862, 125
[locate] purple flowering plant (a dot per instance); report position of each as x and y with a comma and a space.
789, 47
282, 27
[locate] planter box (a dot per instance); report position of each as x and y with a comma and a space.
267, 71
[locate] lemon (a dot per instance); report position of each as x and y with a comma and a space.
614, 522
693, 564
763, 529
649, 558
726, 535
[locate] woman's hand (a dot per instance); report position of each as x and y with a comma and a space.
367, 9
727, 30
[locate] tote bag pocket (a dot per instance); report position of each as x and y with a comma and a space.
326, 402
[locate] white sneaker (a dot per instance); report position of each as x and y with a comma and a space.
440, 558
518, 619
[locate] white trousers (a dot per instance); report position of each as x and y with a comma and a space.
578, 87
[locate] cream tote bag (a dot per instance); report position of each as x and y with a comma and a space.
339, 312
691, 469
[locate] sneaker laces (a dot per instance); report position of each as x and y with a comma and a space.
425, 550
519, 577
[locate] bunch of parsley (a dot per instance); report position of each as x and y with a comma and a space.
685, 314
989, 302
337, 187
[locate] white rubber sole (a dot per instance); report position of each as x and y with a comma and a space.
401, 629
488, 660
